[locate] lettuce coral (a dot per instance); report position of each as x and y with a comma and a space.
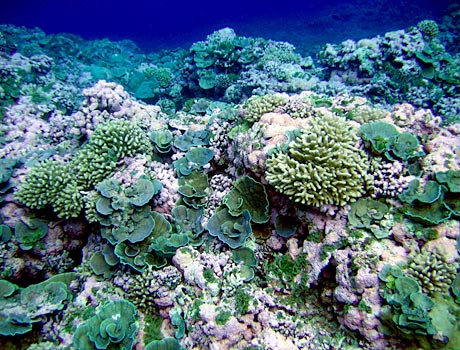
322, 165
113, 327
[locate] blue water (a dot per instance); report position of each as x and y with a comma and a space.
166, 24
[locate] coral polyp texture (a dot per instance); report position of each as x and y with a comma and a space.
322, 165
233, 195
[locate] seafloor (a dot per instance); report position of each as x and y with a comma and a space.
233, 195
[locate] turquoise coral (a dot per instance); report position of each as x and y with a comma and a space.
22, 307
114, 326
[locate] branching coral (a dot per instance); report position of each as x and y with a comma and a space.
389, 179
110, 142
322, 165
429, 29
150, 289
433, 272
59, 185
256, 106
50, 183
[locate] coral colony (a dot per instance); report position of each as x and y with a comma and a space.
236, 195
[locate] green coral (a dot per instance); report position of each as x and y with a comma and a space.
406, 146
286, 225
7, 166
123, 211
113, 327
194, 189
30, 231
367, 213
207, 79
415, 313
248, 258
230, 229
248, 194
246, 202
430, 192
50, 183
164, 344
433, 272
322, 165
137, 236
110, 142
103, 262
445, 316
428, 214
194, 160
410, 308
192, 138
166, 246
143, 253
428, 28
434, 201
22, 307
256, 106
162, 140
450, 178
178, 322
188, 221
381, 135
164, 77
455, 288
60, 185
5, 233
387, 140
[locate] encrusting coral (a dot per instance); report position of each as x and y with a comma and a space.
322, 165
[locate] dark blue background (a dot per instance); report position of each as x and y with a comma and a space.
168, 24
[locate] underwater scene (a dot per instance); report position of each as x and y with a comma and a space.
227, 177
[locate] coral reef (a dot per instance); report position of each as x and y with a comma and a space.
236, 195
